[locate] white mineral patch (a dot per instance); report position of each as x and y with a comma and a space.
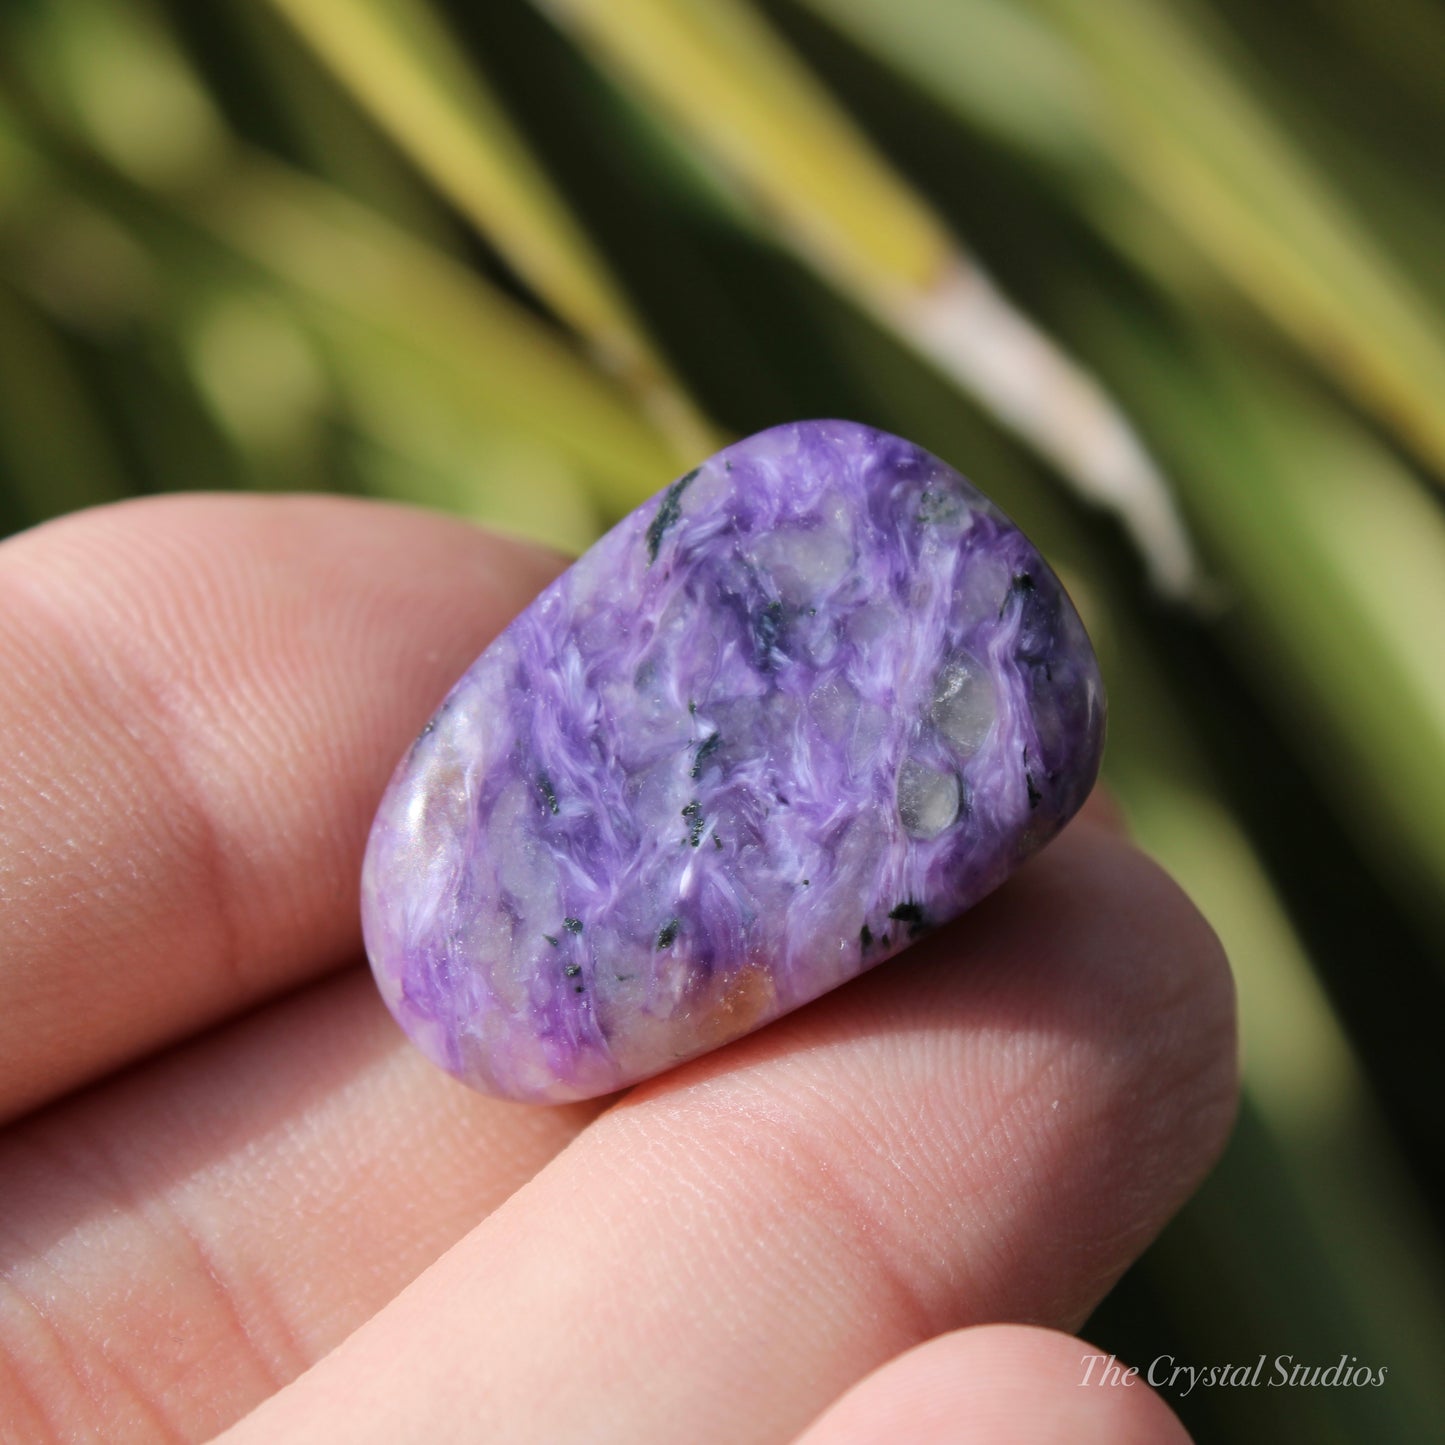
806, 563
509, 962
856, 865
867, 735
834, 706
527, 870
928, 800
871, 623
819, 639
981, 589
657, 796
712, 485
963, 707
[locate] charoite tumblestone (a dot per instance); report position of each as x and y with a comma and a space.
814, 698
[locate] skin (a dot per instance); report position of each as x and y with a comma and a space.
235, 1199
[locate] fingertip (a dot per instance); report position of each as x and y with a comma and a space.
1000, 1385
1102, 810
205, 696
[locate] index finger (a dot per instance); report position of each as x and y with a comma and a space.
204, 697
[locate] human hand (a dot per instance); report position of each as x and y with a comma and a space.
223, 1161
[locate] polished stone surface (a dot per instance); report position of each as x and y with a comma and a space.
814, 698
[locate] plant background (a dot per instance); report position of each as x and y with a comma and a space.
528, 263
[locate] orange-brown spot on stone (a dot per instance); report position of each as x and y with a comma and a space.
710, 1009
733, 1003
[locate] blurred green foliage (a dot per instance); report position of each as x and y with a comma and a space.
527, 267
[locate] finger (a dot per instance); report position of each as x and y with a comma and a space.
266, 1194
1102, 809
999, 1385
178, 1243
988, 1128
204, 698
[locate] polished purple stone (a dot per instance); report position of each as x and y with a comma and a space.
814, 698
